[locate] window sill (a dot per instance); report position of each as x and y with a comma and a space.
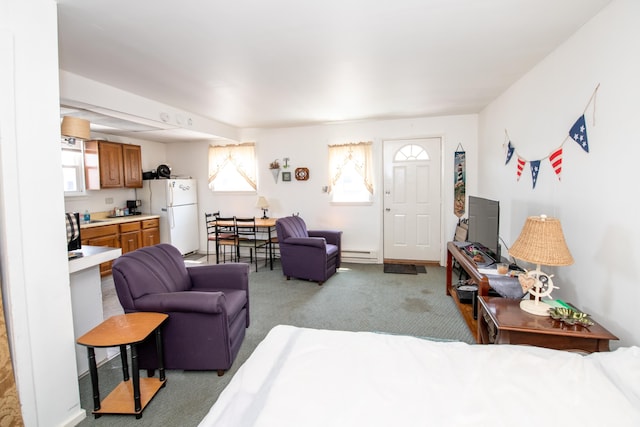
351, 203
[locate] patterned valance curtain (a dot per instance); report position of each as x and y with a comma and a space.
239, 156
361, 153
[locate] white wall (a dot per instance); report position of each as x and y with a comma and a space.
307, 147
35, 272
596, 199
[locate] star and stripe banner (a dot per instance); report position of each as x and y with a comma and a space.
556, 161
510, 150
577, 133
521, 163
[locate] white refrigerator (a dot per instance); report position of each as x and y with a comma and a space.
176, 201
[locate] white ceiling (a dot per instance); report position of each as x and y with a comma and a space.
277, 63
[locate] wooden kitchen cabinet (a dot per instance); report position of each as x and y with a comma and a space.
112, 165
127, 236
91, 165
107, 235
130, 236
132, 165
150, 232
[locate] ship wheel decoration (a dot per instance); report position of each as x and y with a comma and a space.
538, 284
302, 174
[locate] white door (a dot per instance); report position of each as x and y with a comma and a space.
412, 174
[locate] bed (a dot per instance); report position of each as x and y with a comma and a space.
306, 377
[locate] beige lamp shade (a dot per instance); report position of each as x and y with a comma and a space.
262, 203
73, 127
541, 241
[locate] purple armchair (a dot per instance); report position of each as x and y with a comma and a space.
208, 307
307, 254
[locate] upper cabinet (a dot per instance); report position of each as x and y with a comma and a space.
132, 165
110, 156
112, 165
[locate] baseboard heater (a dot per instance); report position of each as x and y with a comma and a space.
359, 256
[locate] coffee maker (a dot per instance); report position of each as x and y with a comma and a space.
133, 206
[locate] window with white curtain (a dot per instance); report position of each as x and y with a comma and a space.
232, 168
351, 173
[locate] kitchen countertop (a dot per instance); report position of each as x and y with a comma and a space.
98, 221
92, 256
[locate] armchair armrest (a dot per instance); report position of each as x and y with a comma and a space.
316, 242
186, 302
331, 236
220, 276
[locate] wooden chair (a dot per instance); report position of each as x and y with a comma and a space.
210, 224
225, 235
247, 236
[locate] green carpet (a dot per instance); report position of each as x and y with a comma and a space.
360, 297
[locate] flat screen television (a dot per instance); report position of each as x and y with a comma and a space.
484, 224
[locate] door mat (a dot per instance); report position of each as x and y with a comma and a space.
193, 257
404, 268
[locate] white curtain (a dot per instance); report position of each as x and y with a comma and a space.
360, 153
241, 157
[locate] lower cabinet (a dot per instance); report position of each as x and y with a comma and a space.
107, 235
128, 236
150, 232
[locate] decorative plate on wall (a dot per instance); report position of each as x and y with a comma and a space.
302, 174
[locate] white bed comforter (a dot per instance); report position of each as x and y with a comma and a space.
304, 377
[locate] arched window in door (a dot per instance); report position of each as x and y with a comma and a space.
411, 152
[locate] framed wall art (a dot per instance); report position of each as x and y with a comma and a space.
286, 176
302, 174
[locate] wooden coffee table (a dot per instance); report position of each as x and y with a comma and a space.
501, 321
130, 396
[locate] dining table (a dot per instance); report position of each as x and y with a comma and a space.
263, 225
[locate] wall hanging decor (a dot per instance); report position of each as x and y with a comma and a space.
459, 181
302, 174
577, 132
274, 167
286, 176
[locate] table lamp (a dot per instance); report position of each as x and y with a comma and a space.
264, 205
541, 242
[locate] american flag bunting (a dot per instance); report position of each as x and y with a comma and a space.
579, 133
510, 150
556, 161
535, 170
521, 163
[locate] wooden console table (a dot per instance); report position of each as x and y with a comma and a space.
503, 318
466, 263
129, 397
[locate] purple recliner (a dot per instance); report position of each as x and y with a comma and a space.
208, 307
307, 254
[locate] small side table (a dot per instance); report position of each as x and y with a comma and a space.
501, 321
129, 397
